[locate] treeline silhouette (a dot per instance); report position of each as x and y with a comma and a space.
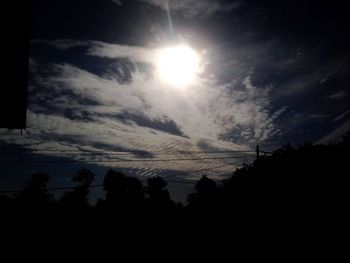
291, 182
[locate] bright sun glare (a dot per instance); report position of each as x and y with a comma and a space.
178, 65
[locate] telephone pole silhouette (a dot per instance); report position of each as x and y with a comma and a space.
257, 152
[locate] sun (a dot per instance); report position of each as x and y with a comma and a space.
178, 65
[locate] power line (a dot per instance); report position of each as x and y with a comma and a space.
140, 152
50, 188
22, 148
181, 182
143, 180
120, 160
220, 166
204, 170
216, 167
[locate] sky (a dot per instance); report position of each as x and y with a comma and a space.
271, 72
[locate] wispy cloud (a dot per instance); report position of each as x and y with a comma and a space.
318, 116
337, 133
200, 112
192, 8
102, 49
62, 44
339, 94
207, 110
73, 108
342, 116
118, 2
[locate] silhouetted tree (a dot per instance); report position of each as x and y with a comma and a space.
122, 192
159, 196
292, 182
308, 179
78, 198
6, 202
206, 195
134, 191
346, 140
35, 193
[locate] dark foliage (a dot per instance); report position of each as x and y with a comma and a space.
123, 193
35, 195
294, 183
78, 198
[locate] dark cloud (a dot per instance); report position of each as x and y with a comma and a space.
166, 125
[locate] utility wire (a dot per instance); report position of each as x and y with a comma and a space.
143, 180
13, 151
119, 160
215, 167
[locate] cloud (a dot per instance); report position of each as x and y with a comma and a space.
102, 49
62, 44
105, 50
118, 2
336, 134
339, 94
95, 95
71, 107
342, 116
192, 8
323, 80
207, 110
318, 116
